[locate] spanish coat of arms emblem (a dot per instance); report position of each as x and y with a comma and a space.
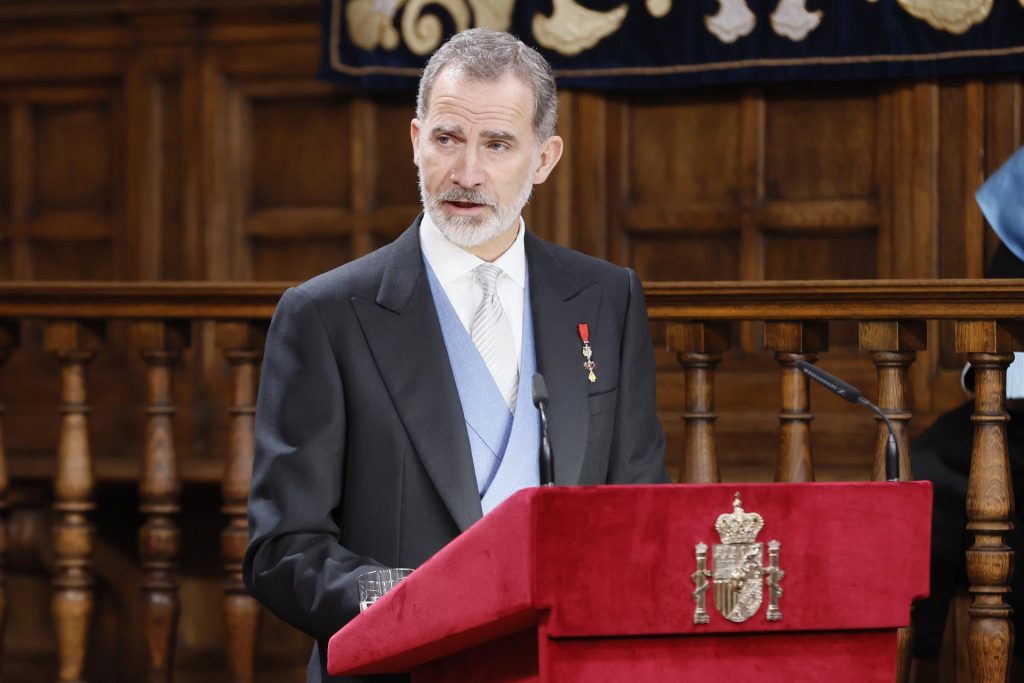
739, 573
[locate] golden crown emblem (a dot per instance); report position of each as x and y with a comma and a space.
739, 526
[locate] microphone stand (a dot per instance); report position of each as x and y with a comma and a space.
848, 392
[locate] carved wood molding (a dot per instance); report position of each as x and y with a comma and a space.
974, 299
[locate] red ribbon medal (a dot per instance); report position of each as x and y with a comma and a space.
588, 364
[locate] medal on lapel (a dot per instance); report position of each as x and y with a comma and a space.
588, 364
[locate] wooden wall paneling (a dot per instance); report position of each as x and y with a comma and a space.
586, 158
884, 103
20, 179
551, 212
395, 200
1004, 131
362, 171
915, 198
305, 198
819, 216
971, 219
1004, 119
182, 245
752, 164
680, 191
5, 190
220, 230
143, 195
617, 116
237, 185
75, 215
162, 188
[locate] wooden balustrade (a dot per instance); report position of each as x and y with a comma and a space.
242, 344
9, 337
74, 345
702, 323
161, 344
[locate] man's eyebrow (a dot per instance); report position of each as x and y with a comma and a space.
499, 135
447, 130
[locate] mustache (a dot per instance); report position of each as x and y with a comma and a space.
464, 195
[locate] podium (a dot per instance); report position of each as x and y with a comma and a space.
596, 584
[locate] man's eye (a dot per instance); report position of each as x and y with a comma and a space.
444, 139
498, 146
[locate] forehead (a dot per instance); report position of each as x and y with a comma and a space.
459, 100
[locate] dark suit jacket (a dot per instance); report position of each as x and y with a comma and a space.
362, 457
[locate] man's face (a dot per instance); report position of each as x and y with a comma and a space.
478, 157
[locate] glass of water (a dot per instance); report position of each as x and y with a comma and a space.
373, 585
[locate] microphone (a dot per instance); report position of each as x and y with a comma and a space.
547, 463
850, 393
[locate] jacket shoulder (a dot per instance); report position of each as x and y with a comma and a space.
586, 269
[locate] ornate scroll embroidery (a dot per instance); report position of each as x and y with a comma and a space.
955, 16
371, 23
423, 33
572, 28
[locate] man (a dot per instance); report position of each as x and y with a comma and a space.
394, 406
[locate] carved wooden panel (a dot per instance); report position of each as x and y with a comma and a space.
322, 177
73, 185
5, 195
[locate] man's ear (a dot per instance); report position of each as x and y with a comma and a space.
547, 158
414, 135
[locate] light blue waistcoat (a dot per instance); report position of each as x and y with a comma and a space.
505, 446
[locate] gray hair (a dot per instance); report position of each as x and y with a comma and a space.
485, 55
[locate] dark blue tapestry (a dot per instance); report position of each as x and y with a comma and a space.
672, 43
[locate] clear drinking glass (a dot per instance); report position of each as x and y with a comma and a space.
373, 585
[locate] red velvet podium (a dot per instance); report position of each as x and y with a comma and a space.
595, 584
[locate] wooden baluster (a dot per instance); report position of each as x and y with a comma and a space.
159, 488
242, 344
989, 346
699, 348
9, 337
74, 344
893, 347
792, 341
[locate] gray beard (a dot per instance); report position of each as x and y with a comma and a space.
467, 231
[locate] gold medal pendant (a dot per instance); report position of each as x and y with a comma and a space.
588, 363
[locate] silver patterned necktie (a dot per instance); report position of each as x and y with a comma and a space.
492, 334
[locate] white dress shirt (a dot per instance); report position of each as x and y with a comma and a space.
454, 266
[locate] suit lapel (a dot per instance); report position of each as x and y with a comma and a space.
559, 306
404, 335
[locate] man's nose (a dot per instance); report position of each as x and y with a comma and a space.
468, 171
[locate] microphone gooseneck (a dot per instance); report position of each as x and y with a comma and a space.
850, 393
547, 463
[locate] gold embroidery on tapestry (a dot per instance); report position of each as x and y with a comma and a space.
371, 23
573, 28
955, 16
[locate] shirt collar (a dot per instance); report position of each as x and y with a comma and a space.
450, 261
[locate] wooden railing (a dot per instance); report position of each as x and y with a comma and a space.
700, 319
